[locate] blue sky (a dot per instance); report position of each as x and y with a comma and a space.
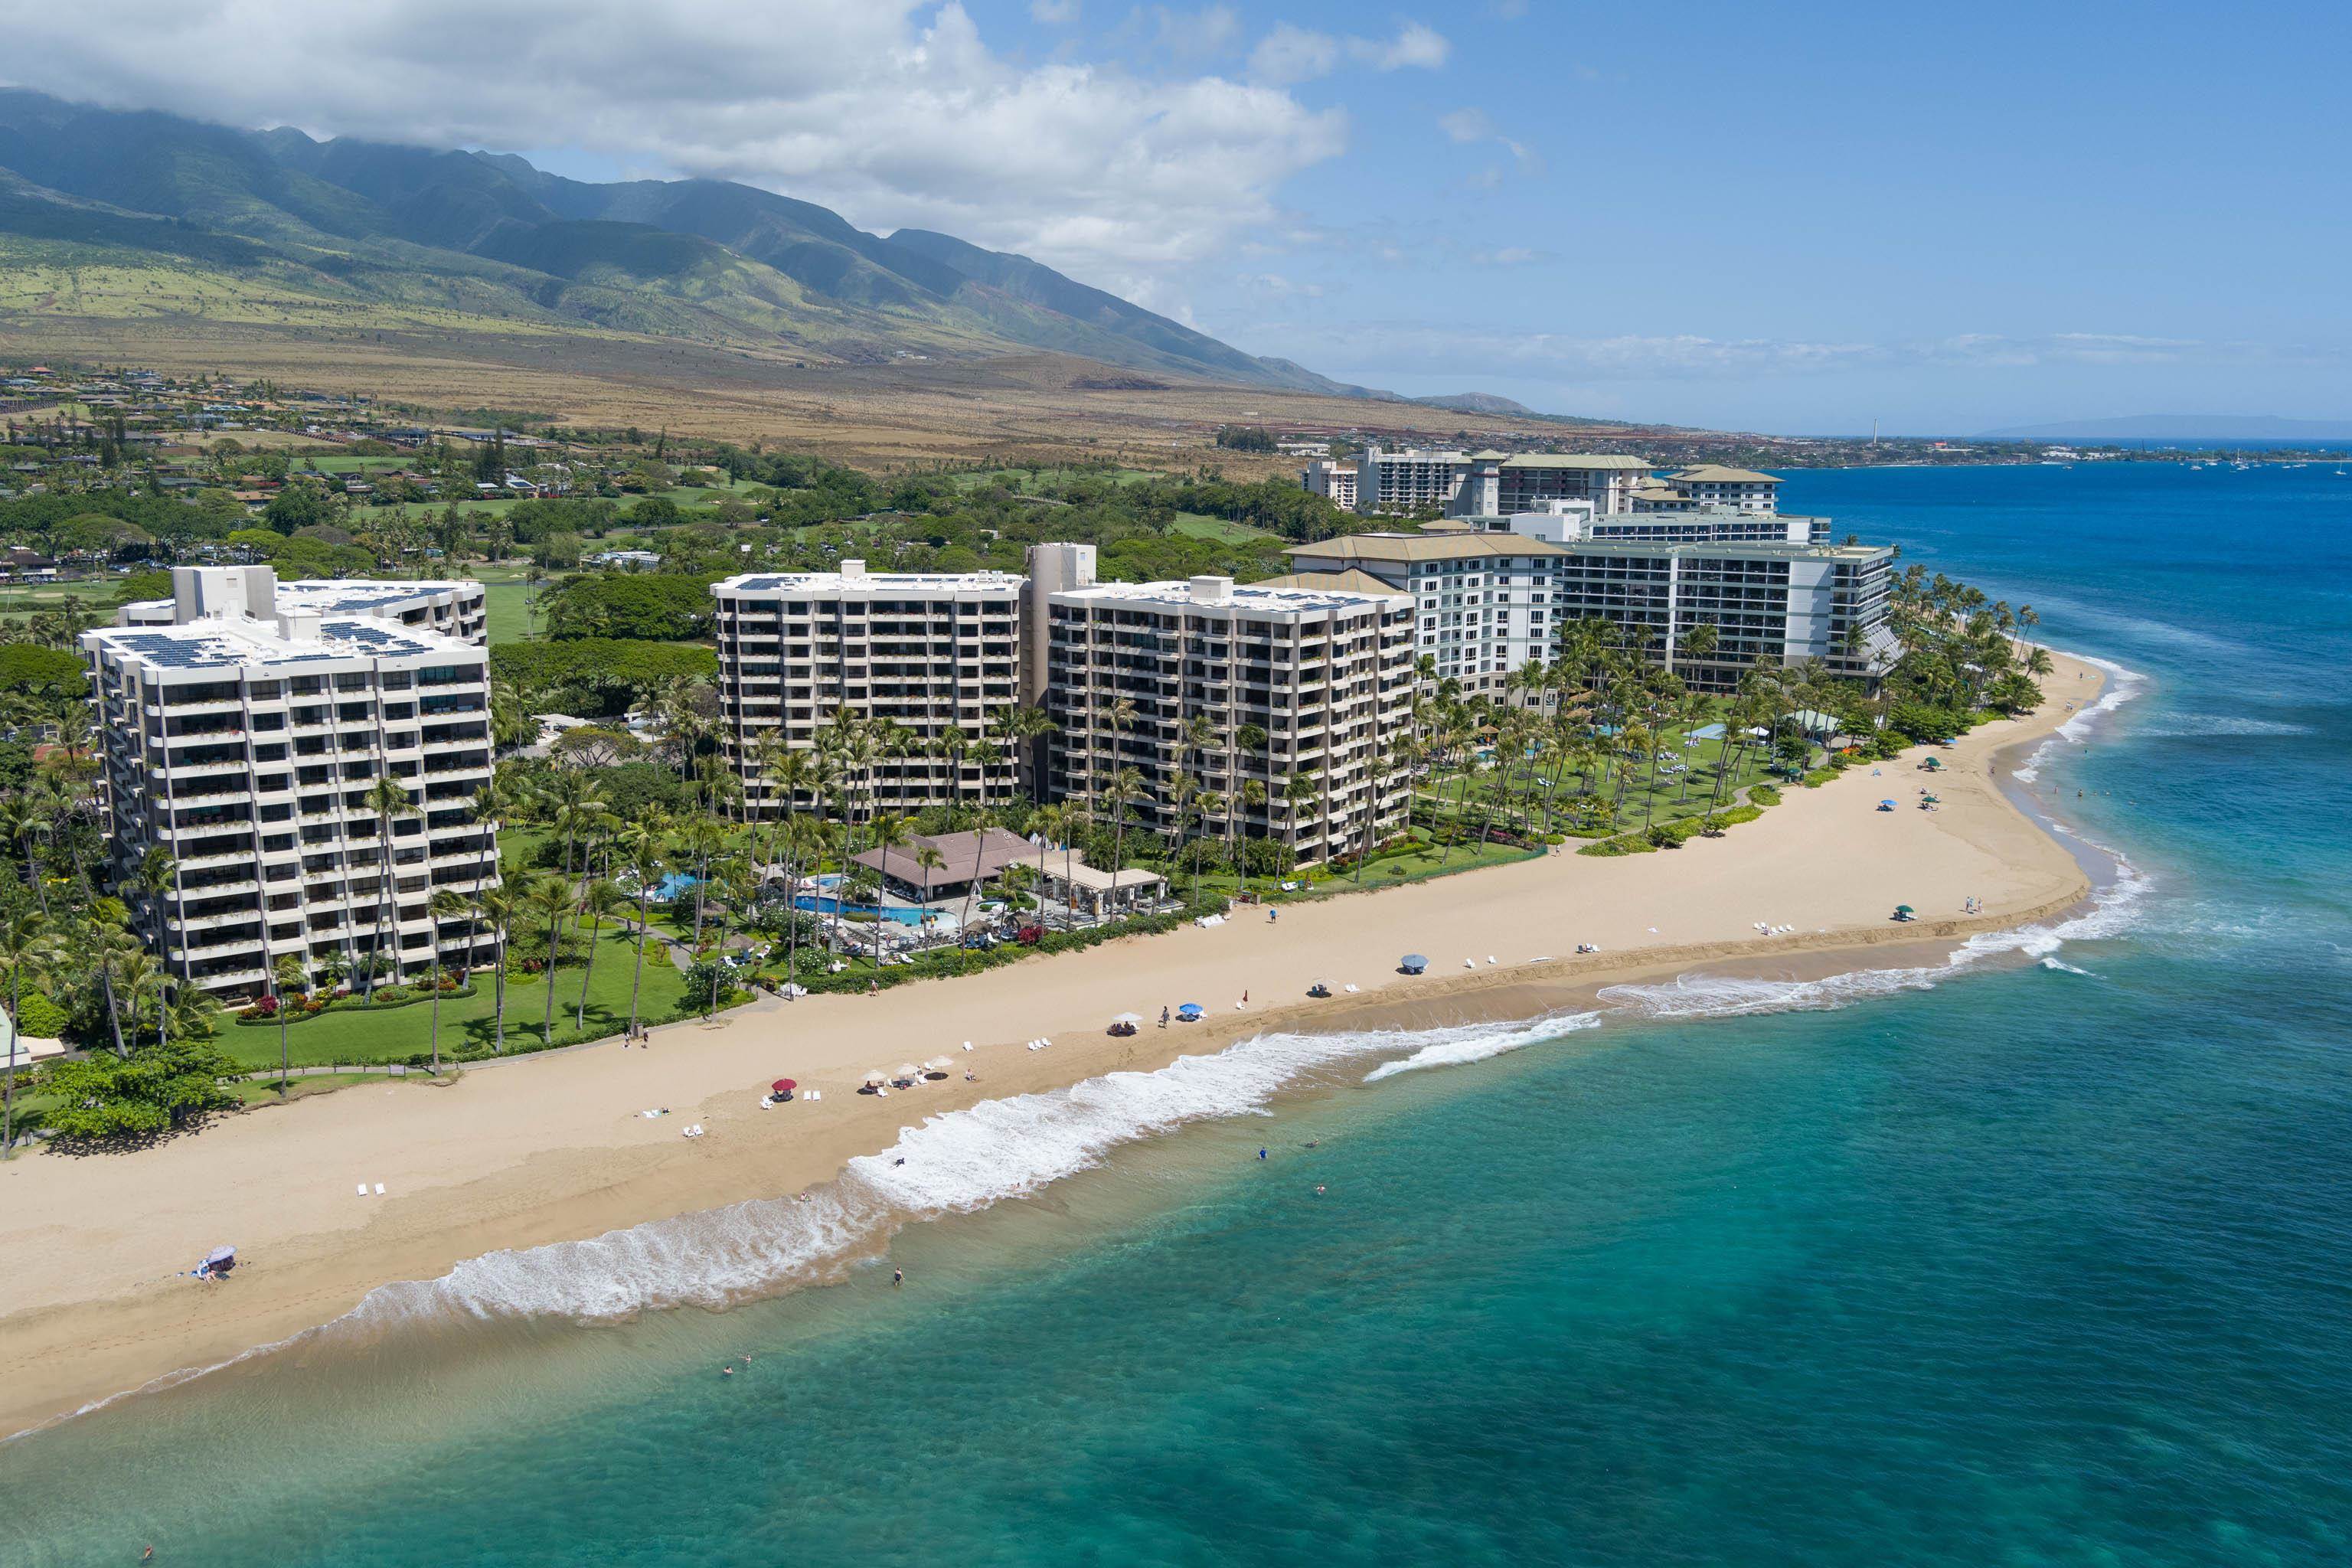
1767, 218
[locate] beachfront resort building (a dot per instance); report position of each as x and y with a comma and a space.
246, 737
1282, 703
1779, 603
1712, 484
1493, 593
1485, 604
926, 651
1381, 483
1334, 481
457, 609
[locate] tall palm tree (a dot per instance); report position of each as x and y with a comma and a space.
501, 907
286, 974
23, 821
1126, 789
445, 905
387, 798
25, 942
641, 852
703, 840
598, 901
551, 899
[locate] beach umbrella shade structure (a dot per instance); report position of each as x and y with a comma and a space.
905, 1069
1188, 1010
1128, 1018
783, 1086
1413, 964
939, 1063
874, 1075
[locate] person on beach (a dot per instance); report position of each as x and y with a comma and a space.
898, 1277
1163, 1018
1271, 914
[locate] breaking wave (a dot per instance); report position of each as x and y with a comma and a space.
2111, 913
1480, 1043
2123, 685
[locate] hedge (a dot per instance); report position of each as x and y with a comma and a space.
355, 1002
1669, 834
39, 1018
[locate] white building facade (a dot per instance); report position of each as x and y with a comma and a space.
925, 652
245, 740
1325, 677
1485, 604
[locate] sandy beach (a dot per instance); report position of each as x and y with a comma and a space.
539, 1149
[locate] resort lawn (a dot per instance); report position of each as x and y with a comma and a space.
1670, 800
1200, 525
396, 1033
513, 609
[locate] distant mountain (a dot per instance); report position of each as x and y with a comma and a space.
2221, 428
148, 214
1477, 402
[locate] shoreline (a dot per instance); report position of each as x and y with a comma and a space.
504, 1160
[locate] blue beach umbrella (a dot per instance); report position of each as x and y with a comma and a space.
1188, 1010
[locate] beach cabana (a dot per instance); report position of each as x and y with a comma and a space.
1090, 890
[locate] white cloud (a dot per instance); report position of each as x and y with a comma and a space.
891, 111
1414, 45
1467, 124
1198, 35
1275, 284
1420, 347
1053, 13
1511, 255
1289, 54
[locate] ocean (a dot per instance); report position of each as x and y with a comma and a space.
2040, 1255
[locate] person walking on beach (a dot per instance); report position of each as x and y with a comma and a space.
1271, 914
1163, 1016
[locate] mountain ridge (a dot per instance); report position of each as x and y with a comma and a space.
278, 221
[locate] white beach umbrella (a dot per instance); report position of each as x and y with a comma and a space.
876, 1075
905, 1069
1126, 1018
939, 1064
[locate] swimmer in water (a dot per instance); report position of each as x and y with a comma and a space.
1318, 1192
898, 1277
726, 1372
1261, 1154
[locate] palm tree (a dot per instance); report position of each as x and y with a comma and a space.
928, 860
501, 907
599, 899
23, 821
155, 878
445, 905
387, 798
550, 897
804, 841
286, 974
24, 941
1126, 789
641, 847
704, 838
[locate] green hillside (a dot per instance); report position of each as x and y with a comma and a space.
145, 215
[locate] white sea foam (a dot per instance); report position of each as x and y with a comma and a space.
2190, 726
1479, 1043
2112, 910
2123, 685
2063, 967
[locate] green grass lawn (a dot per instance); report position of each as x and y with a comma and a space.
397, 1033
513, 615
1202, 526
1023, 479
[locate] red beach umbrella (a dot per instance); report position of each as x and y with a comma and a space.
785, 1086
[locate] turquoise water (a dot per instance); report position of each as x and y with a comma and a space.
2042, 1257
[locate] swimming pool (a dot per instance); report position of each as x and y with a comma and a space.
824, 903
673, 886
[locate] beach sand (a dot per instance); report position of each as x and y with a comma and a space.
93, 1301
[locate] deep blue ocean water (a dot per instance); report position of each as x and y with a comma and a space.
2036, 1262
